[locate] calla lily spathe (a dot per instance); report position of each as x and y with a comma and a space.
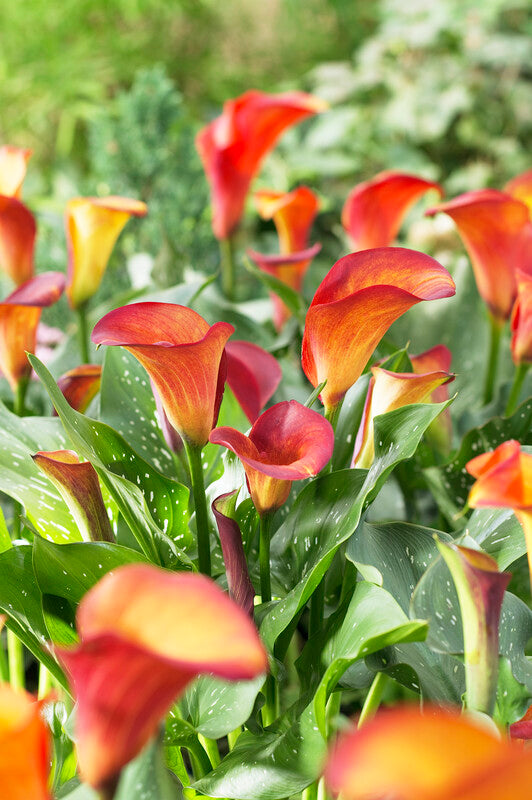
183, 356
293, 214
355, 304
521, 320
253, 375
80, 385
13, 165
17, 239
24, 747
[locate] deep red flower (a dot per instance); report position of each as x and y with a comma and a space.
253, 375
80, 385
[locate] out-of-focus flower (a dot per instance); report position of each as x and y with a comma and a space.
238, 581
403, 753
93, 225
183, 356
233, 146
253, 375
520, 187
79, 487
375, 209
521, 320
137, 655
436, 359
17, 239
19, 317
13, 164
354, 306
24, 747
288, 442
522, 729
293, 214
80, 385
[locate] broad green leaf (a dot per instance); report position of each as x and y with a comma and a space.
292, 299
217, 707
499, 533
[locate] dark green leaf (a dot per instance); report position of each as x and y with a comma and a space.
217, 707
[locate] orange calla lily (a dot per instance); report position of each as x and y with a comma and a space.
19, 317
433, 360
137, 655
93, 225
80, 385
402, 753
504, 480
233, 146
13, 163
288, 442
521, 320
24, 747
17, 239
520, 187
497, 234
293, 214
375, 209
386, 392
183, 356
355, 305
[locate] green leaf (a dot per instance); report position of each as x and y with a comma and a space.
499, 533
217, 707
292, 299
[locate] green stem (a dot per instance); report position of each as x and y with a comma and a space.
45, 682
4, 667
211, 748
519, 377
199, 759
15, 657
200, 504
311, 792
269, 709
333, 709
264, 558
83, 333
18, 409
232, 737
228, 267
373, 698
332, 414
496, 327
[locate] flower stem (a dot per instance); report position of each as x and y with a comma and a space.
264, 558
200, 504
332, 413
45, 682
18, 409
228, 267
373, 698
83, 333
491, 373
232, 737
211, 748
15, 656
519, 377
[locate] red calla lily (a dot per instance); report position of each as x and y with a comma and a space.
145, 634
375, 209
521, 320
253, 375
233, 146
183, 356
17, 239
354, 306
24, 747
238, 581
520, 187
293, 214
13, 164
522, 729
288, 442
80, 385
19, 317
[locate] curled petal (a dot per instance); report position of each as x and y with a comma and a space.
375, 209
24, 747
293, 214
17, 239
521, 320
13, 163
522, 729
253, 375
433, 360
80, 385
137, 655
93, 225
233, 146
520, 187
355, 305
183, 356
497, 233
238, 581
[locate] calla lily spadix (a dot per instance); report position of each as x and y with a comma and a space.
375, 209
145, 633
253, 375
233, 146
293, 214
13, 165
17, 239
93, 224
355, 304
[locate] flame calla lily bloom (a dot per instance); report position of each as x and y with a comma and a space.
19, 317
13, 165
293, 214
436, 359
253, 375
288, 442
520, 187
183, 356
93, 224
233, 146
521, 320
80, 385
497, 234
504, 480
355, 305
17, 239
375, 209
386, 392
401, 753
24, 747
137, 655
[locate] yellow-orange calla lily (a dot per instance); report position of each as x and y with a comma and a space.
24, 747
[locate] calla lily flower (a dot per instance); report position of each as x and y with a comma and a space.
293, 214
403, 753
288, 442
183, 356
13, 163
79, 487
522, 729
520, 187
233, 146
93, 224
17, 239
355, 305
80, 385
504, 480
386, 392
436, 359
24, 747
238, 581
19, 317
480, 587
253, 375
497, 234
145, 634
521, 320
375, 209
